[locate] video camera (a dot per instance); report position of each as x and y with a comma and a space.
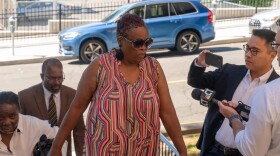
43, 146
207, 96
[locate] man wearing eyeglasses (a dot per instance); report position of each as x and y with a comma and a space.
261, 135
233, 83
50, 100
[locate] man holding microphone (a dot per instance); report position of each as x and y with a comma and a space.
261, 135
233, 83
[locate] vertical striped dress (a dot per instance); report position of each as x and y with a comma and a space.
123, 118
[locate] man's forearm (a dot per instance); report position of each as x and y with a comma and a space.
237, 126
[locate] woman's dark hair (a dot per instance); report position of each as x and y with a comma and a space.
124, 24
127, 22
8, 97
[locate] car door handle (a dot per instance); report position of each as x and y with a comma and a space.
174, 21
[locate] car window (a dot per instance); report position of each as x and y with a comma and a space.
184, 8
114, 14
36, 5
23, 4
157, 10
172, 10
138, 11
48, 4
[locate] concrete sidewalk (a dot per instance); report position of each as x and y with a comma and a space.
35, 50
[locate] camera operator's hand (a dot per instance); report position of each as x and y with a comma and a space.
55, 152
227, 108
201, 58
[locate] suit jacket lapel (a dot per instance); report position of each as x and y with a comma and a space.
273, 76
237, 76
40, 101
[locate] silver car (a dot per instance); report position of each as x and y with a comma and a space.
42, 10
265, 20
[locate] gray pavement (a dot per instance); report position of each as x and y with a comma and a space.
35, 50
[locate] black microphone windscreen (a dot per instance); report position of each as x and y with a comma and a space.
196, 93
43, 138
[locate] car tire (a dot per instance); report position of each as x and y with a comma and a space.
188, 42
90, 49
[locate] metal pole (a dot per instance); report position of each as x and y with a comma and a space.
12, 21
60, 13
256, 6
214, 6
13, 43
55, 9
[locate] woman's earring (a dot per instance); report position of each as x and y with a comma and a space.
119, 53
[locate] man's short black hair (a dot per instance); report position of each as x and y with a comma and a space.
51, 62
8, 97
266, 34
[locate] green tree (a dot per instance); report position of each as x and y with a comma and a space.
255, 3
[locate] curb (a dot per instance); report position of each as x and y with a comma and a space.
41, 59
235, 40
28, 44
34, 60
187, 128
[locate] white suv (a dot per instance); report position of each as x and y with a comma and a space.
265, 20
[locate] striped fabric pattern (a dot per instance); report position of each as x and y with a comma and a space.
123, 119
52, 111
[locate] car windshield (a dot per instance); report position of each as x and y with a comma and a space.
23, 4
114, 14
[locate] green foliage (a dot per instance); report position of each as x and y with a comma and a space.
258, 3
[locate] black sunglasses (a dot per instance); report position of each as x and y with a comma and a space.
137, 43
275, 45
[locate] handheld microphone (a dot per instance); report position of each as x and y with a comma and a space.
207, 96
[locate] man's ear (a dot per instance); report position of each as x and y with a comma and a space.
42, 76
273, 55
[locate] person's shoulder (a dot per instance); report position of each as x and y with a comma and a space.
68, 89
96, 61
228, 66
28, 119
273, 85
151, 59
29, 90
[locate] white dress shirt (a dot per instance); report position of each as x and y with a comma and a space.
27, 134
243, 92
261, 136
57, 100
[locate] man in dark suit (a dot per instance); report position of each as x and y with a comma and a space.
233, 83
50, 100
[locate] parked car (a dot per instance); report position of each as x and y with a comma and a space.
175, 24
42, 10
265, 20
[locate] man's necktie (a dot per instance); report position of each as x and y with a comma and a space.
52, 111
